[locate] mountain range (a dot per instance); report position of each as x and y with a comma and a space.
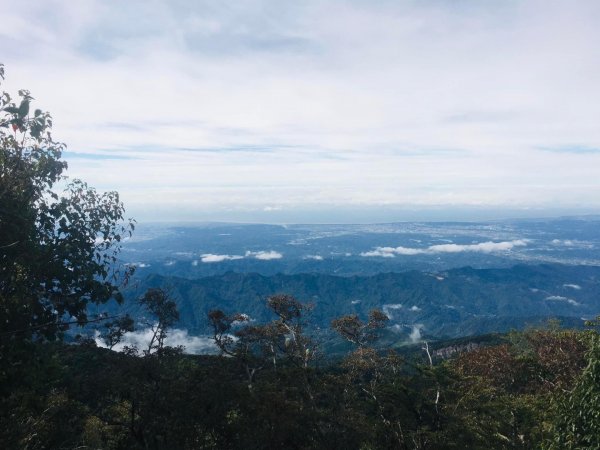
445, 304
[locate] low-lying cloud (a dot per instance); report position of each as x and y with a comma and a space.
560, 298
262, 255
482, 247
212, 258
314, 257
572, 243
415, 333
140, 339
387, 309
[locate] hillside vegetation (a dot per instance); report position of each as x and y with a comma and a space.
534, 389
454, 303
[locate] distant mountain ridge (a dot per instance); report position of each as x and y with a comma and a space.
452, 303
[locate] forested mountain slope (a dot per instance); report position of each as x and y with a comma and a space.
453, 303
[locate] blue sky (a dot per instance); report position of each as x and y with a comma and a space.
320, 110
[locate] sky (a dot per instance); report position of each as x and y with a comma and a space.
319, 111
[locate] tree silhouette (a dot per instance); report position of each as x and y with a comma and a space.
58, 250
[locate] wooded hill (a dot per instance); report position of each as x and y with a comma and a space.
454, 303
534, 389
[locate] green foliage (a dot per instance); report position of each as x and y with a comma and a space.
495, 396
358, 332
577, 424
59, 242
258, 346
57, 249
514, 387
114, 330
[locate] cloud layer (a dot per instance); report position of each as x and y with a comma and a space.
211, 258
560, 298
267, 106
176, 337
482, 247
263, 255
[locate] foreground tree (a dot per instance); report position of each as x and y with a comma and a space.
257, 346
164, 314
114, 330
358, 332
59, 241
57, 250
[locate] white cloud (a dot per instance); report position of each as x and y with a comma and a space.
245, 319
315, 257
176, 337
572, 286
572, 243
415, 308
381, 253
402, 250
415, 333
483, 247
264, 255
560, 298
237, 107
388, 308
211, 258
